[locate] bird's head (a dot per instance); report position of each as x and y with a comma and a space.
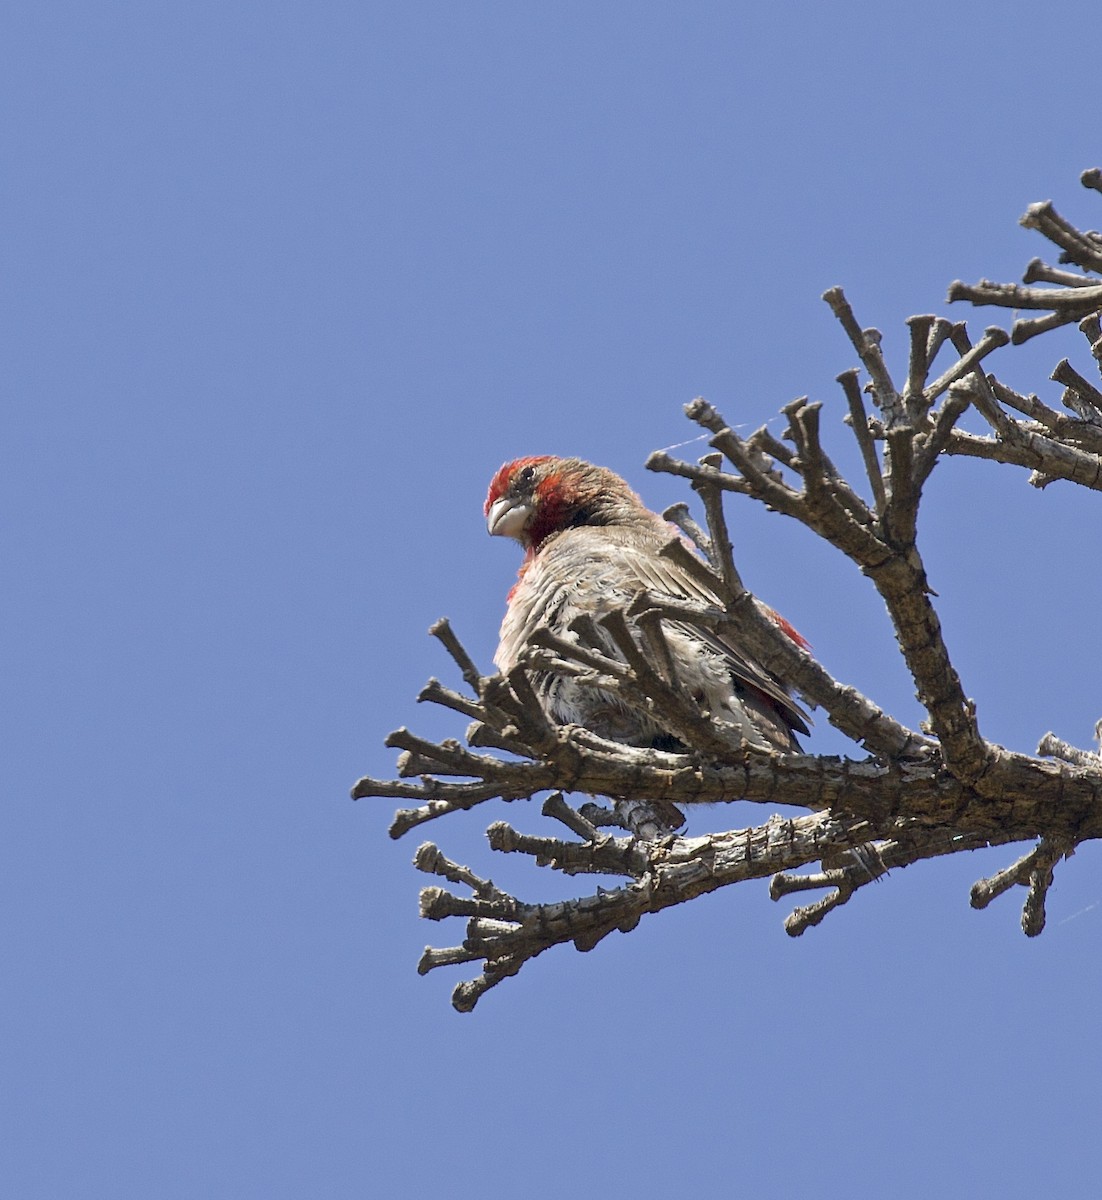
532, 498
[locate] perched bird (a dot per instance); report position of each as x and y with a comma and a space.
592, 546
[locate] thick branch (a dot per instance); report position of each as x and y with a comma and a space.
508, 933
1047, 458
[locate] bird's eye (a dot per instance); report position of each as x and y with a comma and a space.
527, 475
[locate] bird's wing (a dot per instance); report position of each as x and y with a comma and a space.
617, 564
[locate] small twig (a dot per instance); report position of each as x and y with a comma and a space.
866, 343
435, 692
1091, 328
1090, 398
556, 806
523, 706
595, 660
447, 956
486, 737
774, 491
1038, 271
1023, 331
661, 461
1052, 746
442, 630
944, 421
761, 439
429, 858
824, 485
1038, 861
980, 393
1069, 300
601, 817
602, 855
1040, 880
971, 356
1029, 406
722, 550
862, 869
918, 367
448, 756
939, 335
904, 485
679, 515
859, 422
650, 627
708, 581
1077, 247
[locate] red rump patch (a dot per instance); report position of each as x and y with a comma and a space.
499, 485
792, 632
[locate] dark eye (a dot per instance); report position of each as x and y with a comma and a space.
527, 475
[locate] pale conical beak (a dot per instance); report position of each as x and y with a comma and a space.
507, 518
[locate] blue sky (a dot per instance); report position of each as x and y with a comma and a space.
283, 285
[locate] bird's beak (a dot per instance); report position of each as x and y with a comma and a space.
507, 518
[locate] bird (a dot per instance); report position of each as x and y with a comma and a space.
591, 546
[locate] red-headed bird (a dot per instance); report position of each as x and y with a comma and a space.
592, 546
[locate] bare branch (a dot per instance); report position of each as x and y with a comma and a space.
1034, 870
679, 515
992, 339
1038, 271
1024, 331
918, 798
1086, 400
979, 389
918, 367
442, 630
1051, 745
1047, 458
767, 485
556, 806
676, 871
935, 442
1072, 300
436, 693
816, 506
859, 423
823, 482
893, 565
761, 439
867, 344
720, 540
1091, 328
661, 461
1077, 247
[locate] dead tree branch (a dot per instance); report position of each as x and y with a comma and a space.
909, 795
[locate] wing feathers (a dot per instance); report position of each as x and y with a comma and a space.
596, 569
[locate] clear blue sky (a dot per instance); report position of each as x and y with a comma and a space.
283, 284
